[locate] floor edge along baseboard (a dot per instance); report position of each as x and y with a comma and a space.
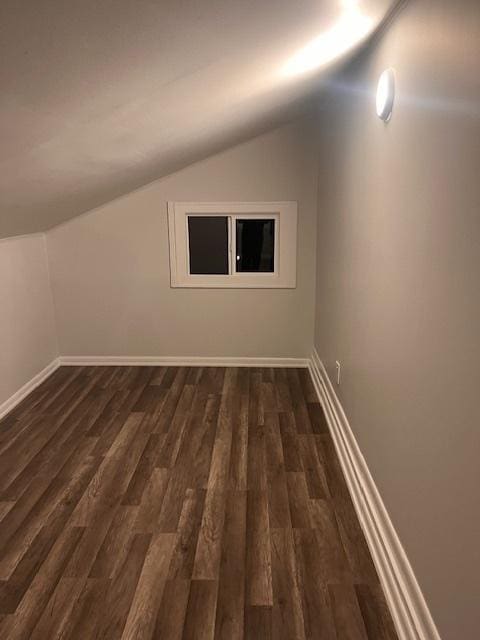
183, 361
142, 361
407, 605
10, 403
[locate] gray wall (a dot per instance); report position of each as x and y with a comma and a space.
27, 330
110, 268
398, 293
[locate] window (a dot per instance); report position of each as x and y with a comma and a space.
255, 245
242, 245
208, 245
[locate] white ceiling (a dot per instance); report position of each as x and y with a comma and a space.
99, 97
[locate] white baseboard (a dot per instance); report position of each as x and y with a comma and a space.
27, 388
193, 361
409, 610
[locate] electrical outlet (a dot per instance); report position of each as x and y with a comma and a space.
338, 366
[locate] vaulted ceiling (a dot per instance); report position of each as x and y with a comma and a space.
98, 97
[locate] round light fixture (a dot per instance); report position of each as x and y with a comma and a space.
385, 95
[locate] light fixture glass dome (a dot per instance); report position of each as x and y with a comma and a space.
385, 95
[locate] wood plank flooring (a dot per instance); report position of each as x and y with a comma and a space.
196, 503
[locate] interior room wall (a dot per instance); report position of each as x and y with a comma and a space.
27, 328
111, 276
398, 298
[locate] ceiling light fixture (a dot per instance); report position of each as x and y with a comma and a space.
385, 95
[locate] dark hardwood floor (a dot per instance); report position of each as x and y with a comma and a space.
179, 503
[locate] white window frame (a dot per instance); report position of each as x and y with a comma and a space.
284, 275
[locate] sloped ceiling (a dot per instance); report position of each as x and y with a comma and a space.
98, 97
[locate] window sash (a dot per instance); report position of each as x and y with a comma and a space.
232, 242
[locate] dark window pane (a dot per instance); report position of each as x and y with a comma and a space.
255, 245
208, 244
